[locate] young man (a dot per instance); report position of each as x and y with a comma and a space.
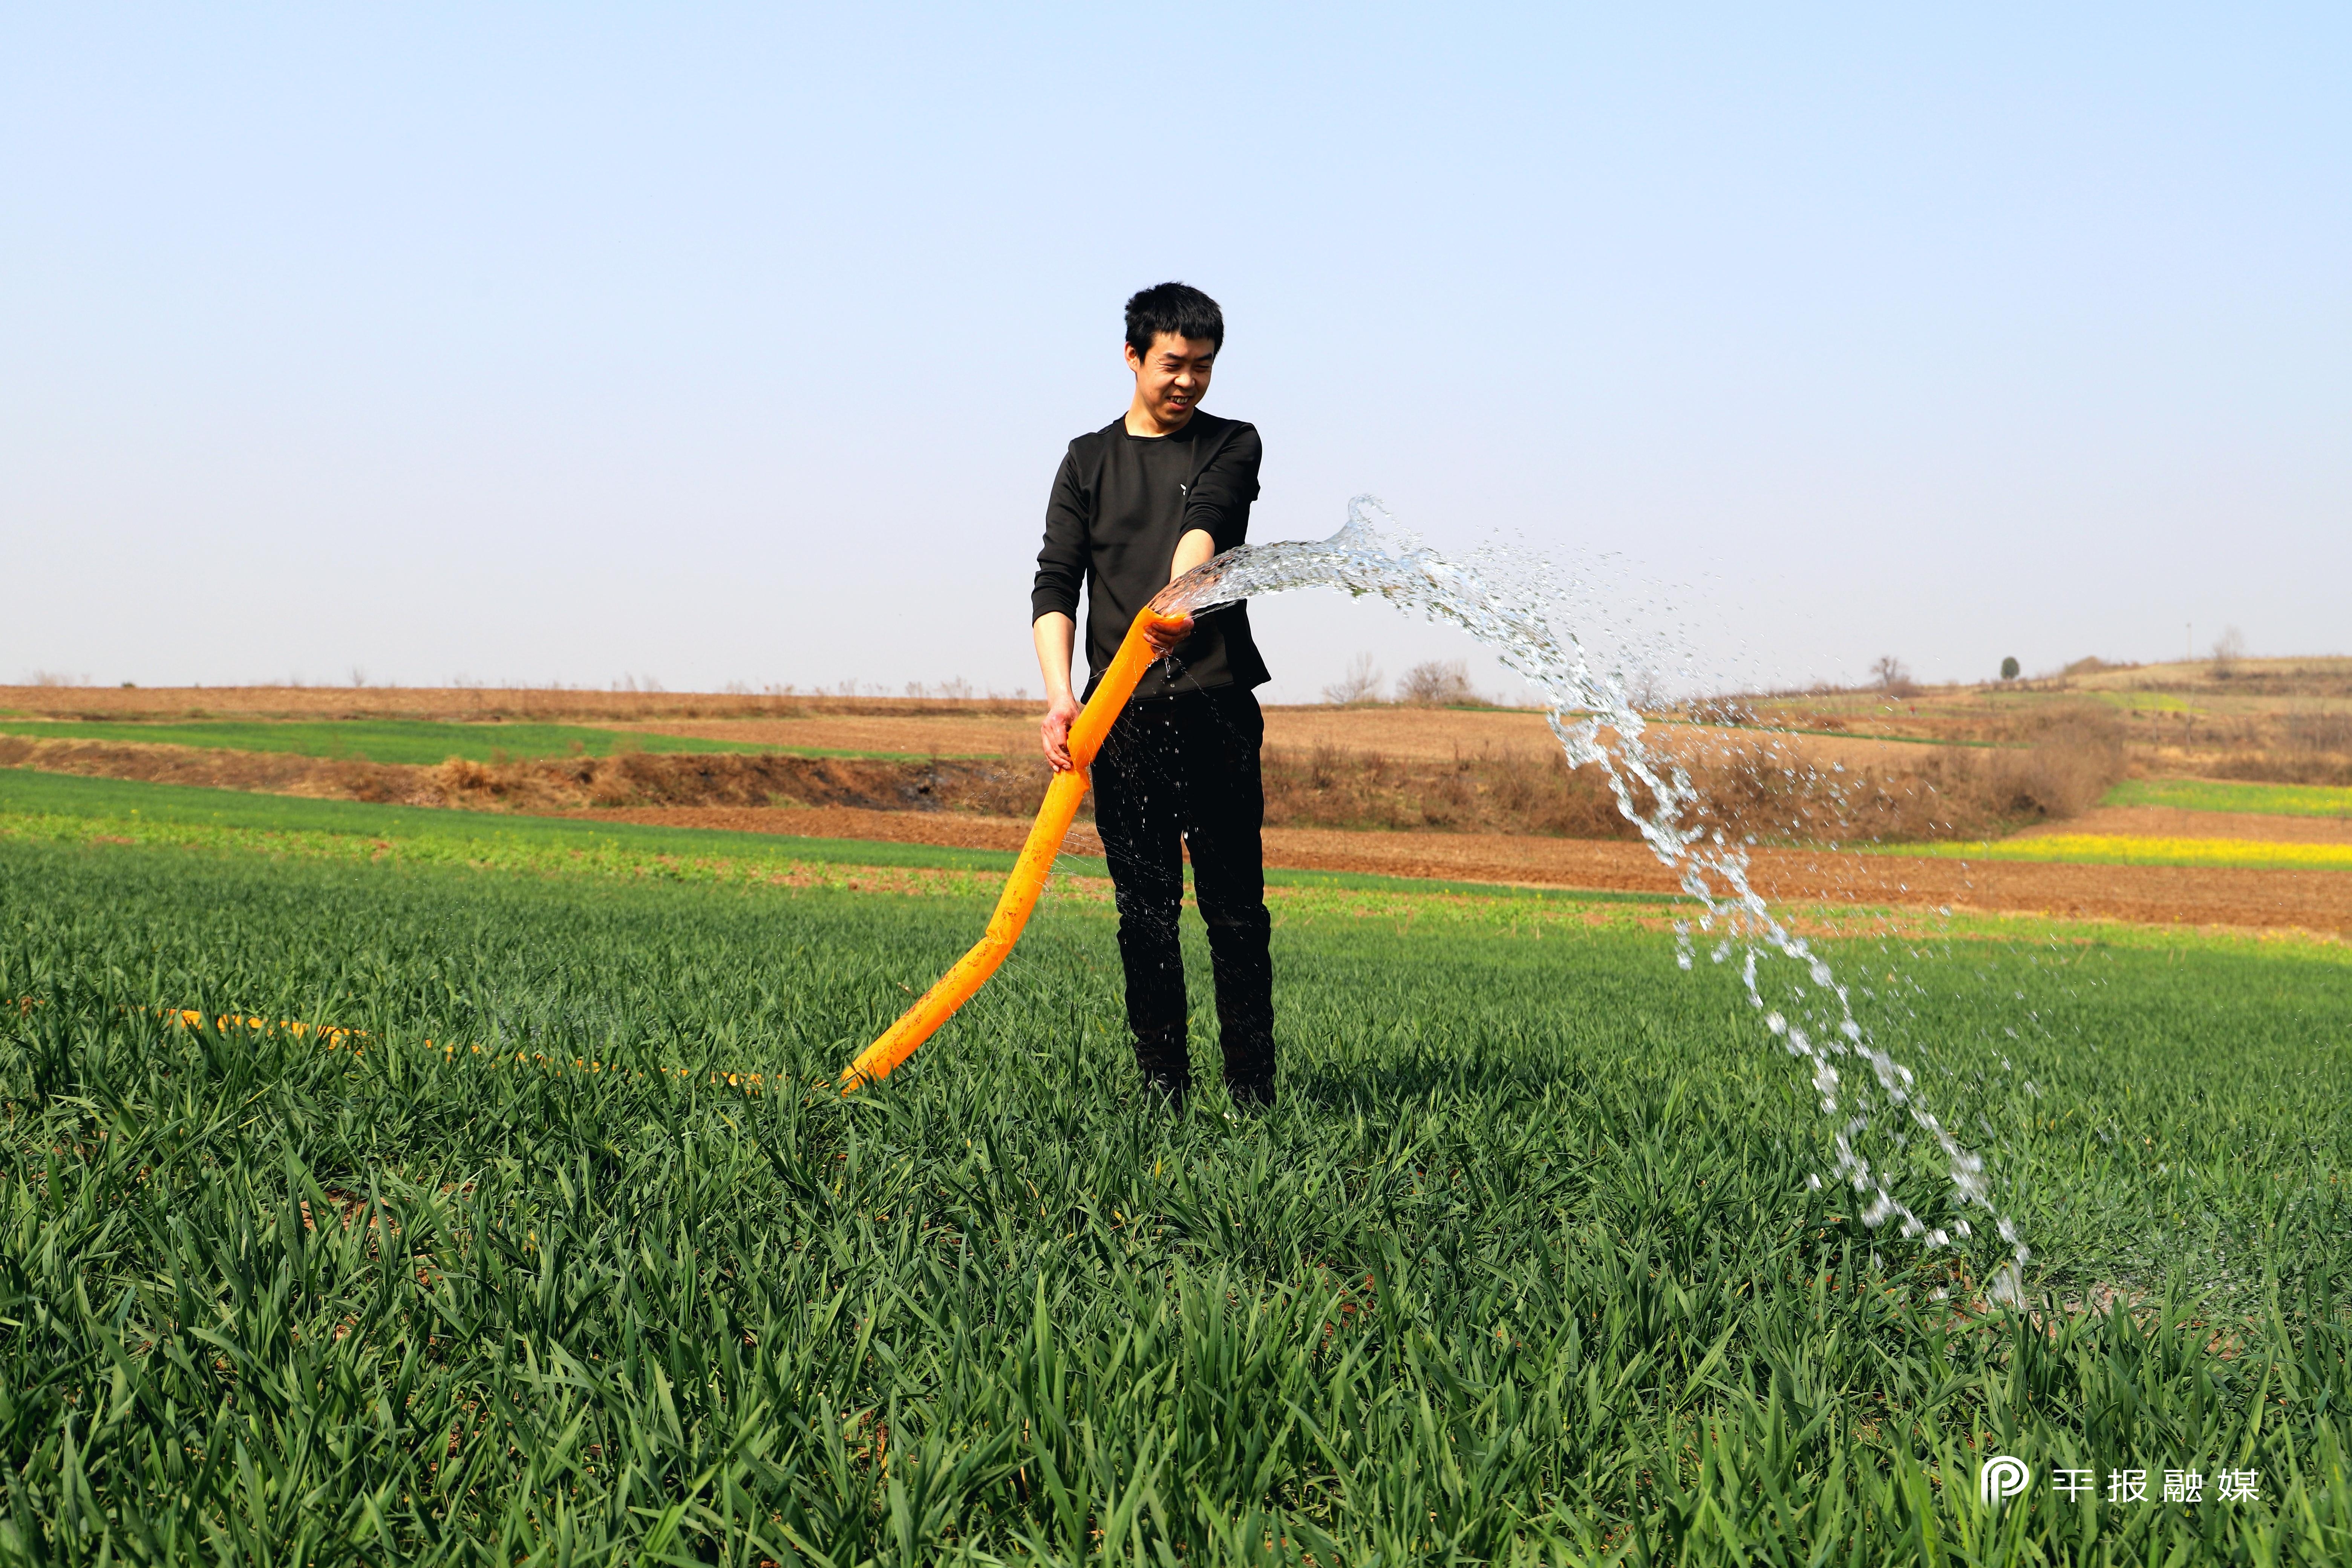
1143, 500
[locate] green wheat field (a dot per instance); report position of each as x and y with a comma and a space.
569, 1253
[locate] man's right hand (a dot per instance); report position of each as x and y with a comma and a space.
1061, 712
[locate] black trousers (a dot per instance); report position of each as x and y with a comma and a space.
1180, 773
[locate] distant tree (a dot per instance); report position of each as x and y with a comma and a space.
1645, 692
1361, 682
1436, 684
2009, 667
1890, 673
2228, 649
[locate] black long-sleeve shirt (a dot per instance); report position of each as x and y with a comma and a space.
1121, 504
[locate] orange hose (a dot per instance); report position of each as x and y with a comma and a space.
1028, 879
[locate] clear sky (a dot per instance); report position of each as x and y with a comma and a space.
704, 344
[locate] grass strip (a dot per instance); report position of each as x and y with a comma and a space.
65, 809
414, 742
2212, 795
69, 807
446, 835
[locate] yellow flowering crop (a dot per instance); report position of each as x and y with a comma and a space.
336, 1038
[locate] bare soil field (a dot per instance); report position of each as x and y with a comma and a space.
2161, 895
460, 703
1397, 735
920, 726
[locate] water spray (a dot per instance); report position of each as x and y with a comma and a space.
1371, 556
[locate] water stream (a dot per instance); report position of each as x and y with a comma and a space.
1506, 602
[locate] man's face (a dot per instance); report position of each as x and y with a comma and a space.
1174, 377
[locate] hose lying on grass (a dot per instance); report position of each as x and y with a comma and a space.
1028, 879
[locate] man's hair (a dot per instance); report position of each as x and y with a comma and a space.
1177, 308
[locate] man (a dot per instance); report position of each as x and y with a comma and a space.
1144, 499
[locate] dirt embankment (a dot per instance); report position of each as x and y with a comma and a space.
1748, 782
1749, 789
551, 785
271, 773
1768, 786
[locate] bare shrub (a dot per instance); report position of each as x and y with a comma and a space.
2069, 758
1510, 792
1360, 682
1893, 676
1756, 790
2319, 732
1645, 692
2229, 651
462, 775
1729, 711
2074, 758
1437, 683
2310, 748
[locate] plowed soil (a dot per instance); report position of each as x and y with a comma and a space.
459, 703
1401, 734
2159, 895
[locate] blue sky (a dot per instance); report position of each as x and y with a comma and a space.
570, 343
